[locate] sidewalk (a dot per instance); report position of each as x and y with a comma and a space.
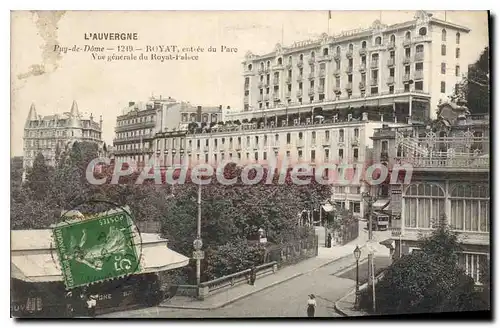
340, 254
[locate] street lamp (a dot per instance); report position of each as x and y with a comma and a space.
357, 255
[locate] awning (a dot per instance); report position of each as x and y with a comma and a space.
328, 207
34, 260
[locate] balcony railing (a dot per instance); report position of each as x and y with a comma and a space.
288, 94
276, 81
288, 79
348, 70
336, 71
362, 85
443, 160
374, 82
337, 56
325, 58
391, 45
348, 86
278, 67
349, 54
418, 75
260, 84
406, 77
390, 62
289, 66
374, 64
300, 77
390, 80
299, 93
322, 73
337, 89
311, 61
406, 60
362, 51
321, 89
261, 70
300, 63
266, 97
406, 42
310, 92
136, 137
362, 67
419, 56
311, 75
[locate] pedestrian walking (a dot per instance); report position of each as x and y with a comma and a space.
253, 275
311, 305
91, 305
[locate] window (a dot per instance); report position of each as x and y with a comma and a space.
341, 153
325, 52
313, 135
300, 153
472, 264
458, 38
356, 207
313, 155
338, 50
356, 153
341, 135
443, 87
422, 31
457, 70
419, 85
256, 156
378, 40
288, 154
351, 47
288, 138
327, 135
423, 204
280, 61
443, 68
457, 53
391, 89
470, 207
327, 154
363, 44
407, 87
408, 35
356, 132
443, 50
393, 38
443, 35
264, 155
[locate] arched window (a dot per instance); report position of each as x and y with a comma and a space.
408, 35
338, 50
262, 65
280, 61
351, 47
268, 64
325, 52
458, 38
363, 44
313, 135
250, 67
301, 57
378, 40
289, 59
422, 31
300, 135
393, 38
470, 207
424, 203
443, 35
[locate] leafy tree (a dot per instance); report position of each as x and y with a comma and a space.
426, 281
475, 87
38, 177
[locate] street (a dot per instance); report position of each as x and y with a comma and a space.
287, 299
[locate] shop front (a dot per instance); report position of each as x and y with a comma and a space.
38, 290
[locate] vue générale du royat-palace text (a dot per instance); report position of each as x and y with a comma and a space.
130, 51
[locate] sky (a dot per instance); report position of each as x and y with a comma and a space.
104, 88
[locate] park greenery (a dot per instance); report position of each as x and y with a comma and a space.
429, 281
231, 215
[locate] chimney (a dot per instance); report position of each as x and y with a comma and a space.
198, 114
131, 103
220, 106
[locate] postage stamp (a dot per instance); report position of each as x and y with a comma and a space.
100, 248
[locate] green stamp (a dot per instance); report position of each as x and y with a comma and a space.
97, 249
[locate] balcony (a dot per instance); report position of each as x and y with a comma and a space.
245, 99
363, 51
349, 54
406, 60
419, 56
260, 84
300, 64
267, 69
325, 142
300, 143
278, 67
325, 58
135, 138
276, 96
337, 56
391, 45
390, 80
261, 97
299, 93
374, 82
337, 90
246, 86
311, 76
266, 83
288, 79
288, 94
266, 97
362, 85
418, 75
422, 38
406, 42
374, 64
276, 81
406, 77
300, 78
348, 86
311, 61
362, 67
322, 73
390, 62
336, 71
310, 92
261, 70
348, 70
248, 72
289, 66
321, 89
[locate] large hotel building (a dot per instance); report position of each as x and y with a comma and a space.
322, 100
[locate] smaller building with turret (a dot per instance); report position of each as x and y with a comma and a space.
51, 134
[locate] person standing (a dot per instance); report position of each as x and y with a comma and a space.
91, 304
311, 305
253, 275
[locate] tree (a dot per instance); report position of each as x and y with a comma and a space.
426, 281
475, 87
38, 178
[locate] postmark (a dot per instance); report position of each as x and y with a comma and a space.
101, 247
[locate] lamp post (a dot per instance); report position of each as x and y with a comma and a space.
370, 200
357, 255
